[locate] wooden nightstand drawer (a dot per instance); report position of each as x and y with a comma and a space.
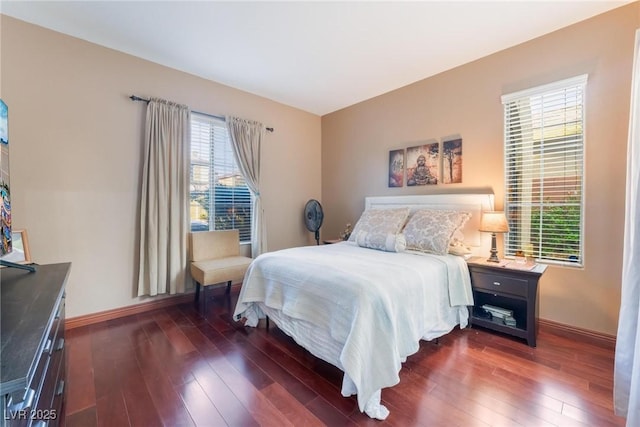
499, 283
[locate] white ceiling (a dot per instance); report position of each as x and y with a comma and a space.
316, 56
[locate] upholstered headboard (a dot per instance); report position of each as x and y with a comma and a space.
475, 204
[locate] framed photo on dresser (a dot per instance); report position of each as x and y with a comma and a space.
20, 253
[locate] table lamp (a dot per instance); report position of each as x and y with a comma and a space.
494, 222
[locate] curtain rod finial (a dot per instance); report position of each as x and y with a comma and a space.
137, 98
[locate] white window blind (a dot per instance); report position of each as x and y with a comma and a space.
220, 198
544, 164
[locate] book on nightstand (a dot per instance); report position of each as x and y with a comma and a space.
498, 312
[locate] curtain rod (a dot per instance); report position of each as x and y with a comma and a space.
137, 98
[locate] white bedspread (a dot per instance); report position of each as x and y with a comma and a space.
375, 306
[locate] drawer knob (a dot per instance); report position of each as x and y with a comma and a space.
60, 388
496, 283
47, 346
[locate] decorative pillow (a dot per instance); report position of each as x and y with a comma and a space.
458, 235
383, 242
380, 221
431, 230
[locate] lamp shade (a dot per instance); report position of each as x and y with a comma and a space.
494, 222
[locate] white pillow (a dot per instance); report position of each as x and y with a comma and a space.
381, 221
383, 242
431, 230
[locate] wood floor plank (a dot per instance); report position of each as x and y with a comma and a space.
278, 373
291, 408
137, 396
165, 399
263, 411
326, 412
588, 417
418, 401
534, 370
396, 418
249, 369
84, 418
80, 389
203, 412
111, 411
227, 404
244, 383
175, 366
476, 384
309, 376
178, 340
108, 376
194, 366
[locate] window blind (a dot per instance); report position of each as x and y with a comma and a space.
220, 198
544, 165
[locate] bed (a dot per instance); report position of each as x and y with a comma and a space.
364, 307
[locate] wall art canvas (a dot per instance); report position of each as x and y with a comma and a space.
452, 161
423, 163
5, 208
396, 168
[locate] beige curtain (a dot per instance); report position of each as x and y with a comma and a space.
246, 140
626, 390
164, 206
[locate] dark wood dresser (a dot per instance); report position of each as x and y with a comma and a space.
32, 383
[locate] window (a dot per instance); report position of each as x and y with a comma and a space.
544, 163
220, 198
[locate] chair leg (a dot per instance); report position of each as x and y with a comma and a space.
197, 290
204, 297
228, 288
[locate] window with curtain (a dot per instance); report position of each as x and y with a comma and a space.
544, 164
220, 198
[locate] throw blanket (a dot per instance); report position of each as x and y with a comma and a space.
376, 305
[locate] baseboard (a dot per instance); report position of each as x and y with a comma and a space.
577, 334
116, 313
103, 316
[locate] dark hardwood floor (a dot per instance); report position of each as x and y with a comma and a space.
184, 366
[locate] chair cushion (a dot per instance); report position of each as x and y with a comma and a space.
210, 272
205, 245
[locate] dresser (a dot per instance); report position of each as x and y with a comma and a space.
32, 375
513, 289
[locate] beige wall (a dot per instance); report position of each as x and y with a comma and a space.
76, 155
465, 101
76, 151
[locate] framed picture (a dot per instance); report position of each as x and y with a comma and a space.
423, 164
396, 168
452, 161
20, 253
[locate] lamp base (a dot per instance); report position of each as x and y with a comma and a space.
494, 250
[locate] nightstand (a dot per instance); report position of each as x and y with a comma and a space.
514, 289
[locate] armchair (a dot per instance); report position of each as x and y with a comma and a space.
215, 258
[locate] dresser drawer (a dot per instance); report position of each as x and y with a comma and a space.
499, 283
